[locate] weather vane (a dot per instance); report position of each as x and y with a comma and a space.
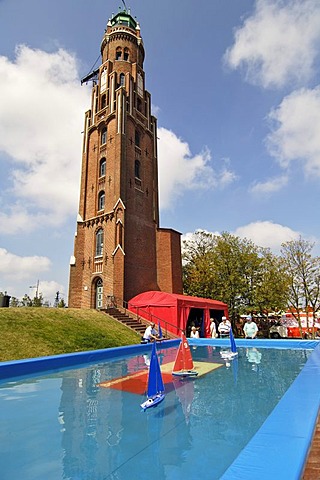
124, 3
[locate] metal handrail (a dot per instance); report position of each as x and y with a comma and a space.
163, 323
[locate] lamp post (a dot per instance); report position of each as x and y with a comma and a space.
36, 287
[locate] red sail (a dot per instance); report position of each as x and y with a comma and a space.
184, 358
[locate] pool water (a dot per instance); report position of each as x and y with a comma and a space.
86, 423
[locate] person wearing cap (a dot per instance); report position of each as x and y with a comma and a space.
250, 328
194, 333
224, 327
150, 333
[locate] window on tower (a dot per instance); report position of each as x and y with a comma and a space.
102, 168
139, 104
99, 243
122, 79
103, 101
126, 54
119, 233
101, 200
103, 136
137, 168
118, 53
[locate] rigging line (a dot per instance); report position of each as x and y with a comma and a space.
91, 69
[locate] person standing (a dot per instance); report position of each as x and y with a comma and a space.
250, 328
213, 330
224, 327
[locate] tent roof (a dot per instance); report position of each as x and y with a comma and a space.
164, 299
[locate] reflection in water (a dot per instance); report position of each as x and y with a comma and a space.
89, 438
254, 357
185, 391
102, 434
66, 425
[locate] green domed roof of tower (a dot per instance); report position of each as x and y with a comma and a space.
123, 17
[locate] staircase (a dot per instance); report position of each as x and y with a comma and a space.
137, 324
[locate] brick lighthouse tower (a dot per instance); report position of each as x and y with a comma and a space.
119, 249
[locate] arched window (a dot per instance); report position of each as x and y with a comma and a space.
137, 166
103, 136
101, 200
137, 138
126, 54
122, 79
99, 243
118, 53
102, 167
119, 231
103, 101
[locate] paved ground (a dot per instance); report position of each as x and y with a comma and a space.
312, 470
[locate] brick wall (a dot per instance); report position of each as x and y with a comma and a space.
169, 265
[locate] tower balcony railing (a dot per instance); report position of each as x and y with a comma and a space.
102, 181
98, 266
141, 118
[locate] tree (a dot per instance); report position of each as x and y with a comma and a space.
303, 272
246, 277
198, 264
272, 291
14, 302
62, 303
37, 301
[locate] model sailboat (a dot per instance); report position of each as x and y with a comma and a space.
183, 365
229, 355
155, 391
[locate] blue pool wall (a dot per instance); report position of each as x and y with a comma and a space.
32, 366
280, 445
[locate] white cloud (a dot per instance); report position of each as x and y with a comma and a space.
19, 268
41, 119
267, 234
269, 186
49, 289
179, 171
191, 236
296, 127
19, 219
278, 43
20, 275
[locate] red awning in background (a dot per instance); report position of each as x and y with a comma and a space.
172, 310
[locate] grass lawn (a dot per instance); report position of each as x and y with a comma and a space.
28, 332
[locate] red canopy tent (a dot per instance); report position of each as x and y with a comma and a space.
172, 310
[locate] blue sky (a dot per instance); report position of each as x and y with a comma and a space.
235, 88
